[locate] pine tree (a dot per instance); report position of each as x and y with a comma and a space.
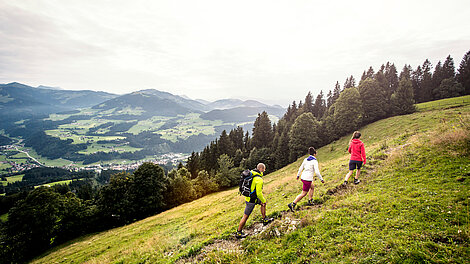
450, 88
369, 74
193, 165
224, 178
350, 82
303, 134
280, 144
373, 100
308, 105
319, 107
329, 99
463, 75
348, 111
402, 99
236, 136
448, 68
262, 131
225, 145
417, 82
427, 82
392, 78
382, 89
437, 78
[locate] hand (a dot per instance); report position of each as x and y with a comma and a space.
297, 177
322, 181
264, 204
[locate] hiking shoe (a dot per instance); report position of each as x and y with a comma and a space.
310, 202
240, 234
267, 220
345, 183
356, 181
291, 206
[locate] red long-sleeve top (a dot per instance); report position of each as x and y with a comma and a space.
357, 150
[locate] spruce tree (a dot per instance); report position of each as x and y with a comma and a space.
308, 105
448, 68
392, 78
193, 165
236, 136
463, 75
262, 131
417, 82
373, 100
303, 134
348, 111
329, 99
402, 99
437, 78
280, 144
225, 145
427, 82
350, 82
319, 107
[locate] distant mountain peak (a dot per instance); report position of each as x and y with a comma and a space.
48, 87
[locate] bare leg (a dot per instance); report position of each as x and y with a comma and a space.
242, 222
348, 175
263, 210
300, 196
358, 172
310, 192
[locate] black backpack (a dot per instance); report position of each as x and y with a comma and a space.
246, 178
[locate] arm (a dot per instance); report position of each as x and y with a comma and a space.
349, 148
301, 169
363, 153
317, 170
259, 189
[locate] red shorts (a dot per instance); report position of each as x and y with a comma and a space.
306, 185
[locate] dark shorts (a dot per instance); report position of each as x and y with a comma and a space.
250, 206
306, 185
353, 164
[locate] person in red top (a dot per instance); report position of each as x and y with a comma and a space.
358, 157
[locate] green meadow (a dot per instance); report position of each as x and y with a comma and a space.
12, 179
412, 206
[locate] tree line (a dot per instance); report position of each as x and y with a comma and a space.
45, 217
319, 121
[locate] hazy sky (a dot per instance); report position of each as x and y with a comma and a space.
213, 49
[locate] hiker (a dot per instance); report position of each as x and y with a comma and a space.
358, 157
308, 169
256, 187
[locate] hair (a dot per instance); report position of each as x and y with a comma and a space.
260, 166
312, 151
356, 135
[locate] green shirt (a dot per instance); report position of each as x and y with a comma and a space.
258, 185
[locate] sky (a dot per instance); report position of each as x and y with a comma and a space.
273, 51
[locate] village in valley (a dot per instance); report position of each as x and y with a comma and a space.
11, 163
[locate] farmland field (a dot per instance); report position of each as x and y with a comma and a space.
12, 179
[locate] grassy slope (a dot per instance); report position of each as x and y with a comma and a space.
411, 205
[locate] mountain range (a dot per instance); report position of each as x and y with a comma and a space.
19, 101
85, 125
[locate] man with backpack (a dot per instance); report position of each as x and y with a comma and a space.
255, 197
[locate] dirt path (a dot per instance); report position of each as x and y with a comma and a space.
285, 223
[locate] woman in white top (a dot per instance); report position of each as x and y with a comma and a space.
308, 169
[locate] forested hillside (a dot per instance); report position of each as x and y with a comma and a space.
405, 209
